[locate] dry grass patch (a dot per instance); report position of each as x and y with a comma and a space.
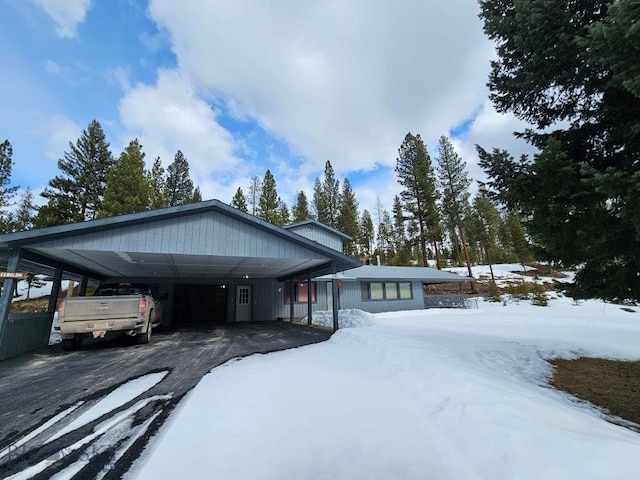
612, 385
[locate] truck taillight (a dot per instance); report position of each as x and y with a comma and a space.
142, 305
61, 308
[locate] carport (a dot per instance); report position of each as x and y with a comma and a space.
237, 260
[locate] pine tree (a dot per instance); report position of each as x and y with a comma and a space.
157, 186
400, 242
196, 196
366, 236
415, 174
77, 193
255, 190
327, 197
454, 183
385, 239
301, 208
570, 70
486, 223
519, 242
284, 216
127, 186
178, 185
347, 221
268, 203
26, 212
6, 192
238, 201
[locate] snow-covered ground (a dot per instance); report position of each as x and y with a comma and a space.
430, 394
505, 273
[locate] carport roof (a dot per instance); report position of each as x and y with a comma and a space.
204, 239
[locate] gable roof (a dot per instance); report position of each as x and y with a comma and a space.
186, 233
381, 273
320, 225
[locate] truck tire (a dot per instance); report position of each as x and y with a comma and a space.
145, 338
72, 343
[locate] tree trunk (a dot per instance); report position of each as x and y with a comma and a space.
465, 250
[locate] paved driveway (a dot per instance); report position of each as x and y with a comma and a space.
42, 392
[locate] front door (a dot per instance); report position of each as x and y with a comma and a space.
243, 303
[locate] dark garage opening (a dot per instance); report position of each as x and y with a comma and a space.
200, 304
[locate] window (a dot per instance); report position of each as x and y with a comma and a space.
386, 291
405, 290
300, 292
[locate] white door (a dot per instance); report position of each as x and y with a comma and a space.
243, 303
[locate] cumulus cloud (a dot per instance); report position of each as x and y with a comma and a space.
169, 116
67, 14
343, 79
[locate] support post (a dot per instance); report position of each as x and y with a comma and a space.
309, 303
55, 290
83, 286
334, 295
8, 287
292, 299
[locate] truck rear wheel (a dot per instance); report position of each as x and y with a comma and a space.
74, 343
145, 338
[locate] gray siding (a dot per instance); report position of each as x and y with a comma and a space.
319, 235
300, 309
208, 233
351, 297
24, 332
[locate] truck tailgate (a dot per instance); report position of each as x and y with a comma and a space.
100, 308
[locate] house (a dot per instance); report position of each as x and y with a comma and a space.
212, 263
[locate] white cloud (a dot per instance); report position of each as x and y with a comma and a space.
67, 14
58, 131
52, 67
169, 116
339, 80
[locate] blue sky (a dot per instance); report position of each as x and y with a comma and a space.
242, 87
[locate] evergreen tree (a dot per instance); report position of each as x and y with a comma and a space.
400, 242
572, 66
415, 174
6, 192
284, 216
268, 203
127, 185
301, 208
454, 184
157, 186
178, 185
486, 223
347, 221
238, 201
385, 237
255, 190
519, 242
366, 236
196, 196
77, 193
319, 200
327, 197
26, 212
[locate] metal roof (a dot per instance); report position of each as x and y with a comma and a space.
320, 225
375, 272
83, 247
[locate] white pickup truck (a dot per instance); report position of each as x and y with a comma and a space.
128, 308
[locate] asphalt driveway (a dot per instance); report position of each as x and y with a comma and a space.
37, 388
